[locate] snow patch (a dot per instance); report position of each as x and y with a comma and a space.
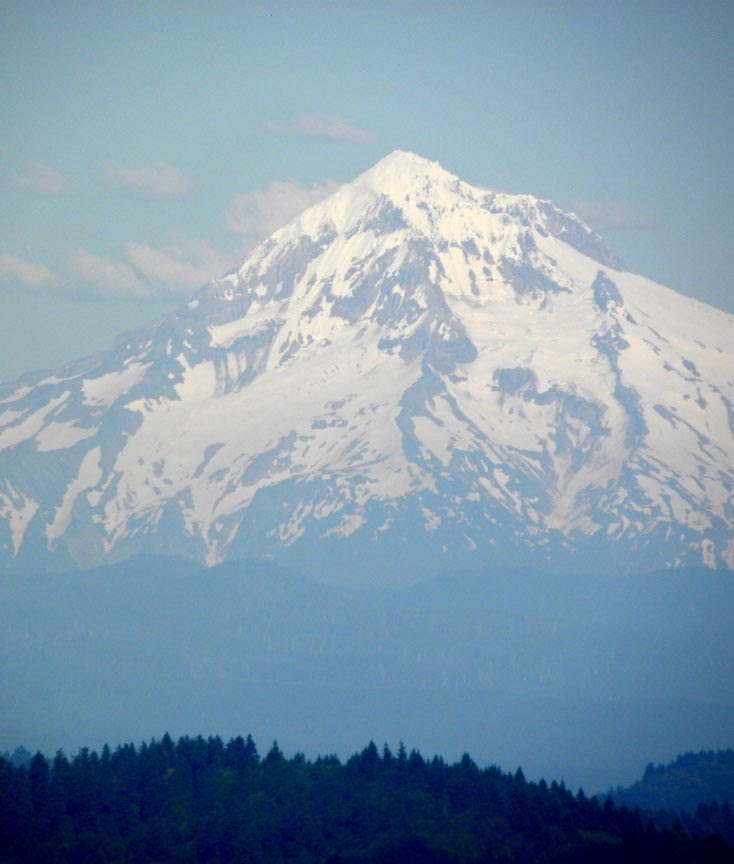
107, 389
90, 474
60, 436
257, 319
18, 509
31, 426
199, 381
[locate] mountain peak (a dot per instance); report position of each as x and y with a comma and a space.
414, 368
401, 169
402, 187
404, 159
407, 191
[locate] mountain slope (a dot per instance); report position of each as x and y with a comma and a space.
413, 371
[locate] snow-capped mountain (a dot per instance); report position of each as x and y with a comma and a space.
413, 374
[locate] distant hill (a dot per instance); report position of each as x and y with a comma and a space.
691, 780
694, 793
517, 667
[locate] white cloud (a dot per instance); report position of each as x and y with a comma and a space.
601, 215
256, 214
322, 126
15, 270
159, 180
178, 268
105, 276
43, 180
149, 272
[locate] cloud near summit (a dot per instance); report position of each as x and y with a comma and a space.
322, 126
176, 267
180, 265
105, 277
156, 181
148, 272
259, 212
602, 215
17, 271
42, 179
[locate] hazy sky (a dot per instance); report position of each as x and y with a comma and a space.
145, 146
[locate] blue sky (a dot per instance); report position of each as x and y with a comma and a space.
144, 147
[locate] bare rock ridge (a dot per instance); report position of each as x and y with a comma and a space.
412, 375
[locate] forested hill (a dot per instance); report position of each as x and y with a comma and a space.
201, 800
697, 789
691, 780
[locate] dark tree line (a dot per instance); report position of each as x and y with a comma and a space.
201, 800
